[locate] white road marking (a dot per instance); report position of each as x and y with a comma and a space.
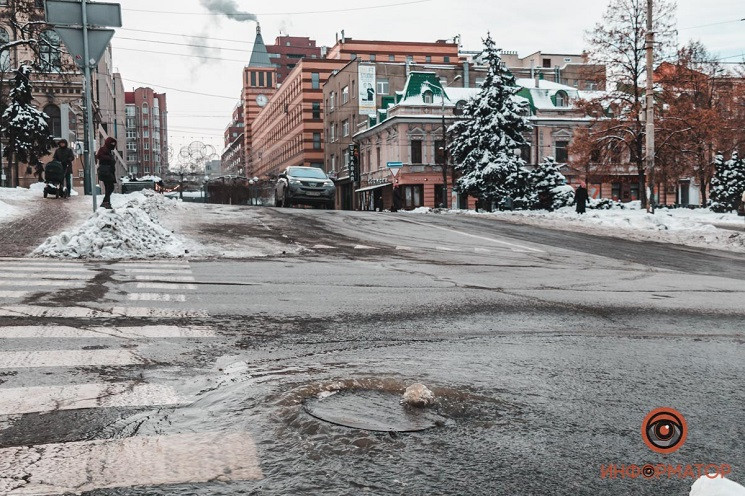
13, 294
151, 277
483, 238
145, 265
324, 247
67, 358
404, 248
88, 313
44, 269
20, 401
63, 332
165, 285
27, 283
153, 270
77, 467
41, 274
156, 297
363, 247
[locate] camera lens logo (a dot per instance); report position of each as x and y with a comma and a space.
664, 430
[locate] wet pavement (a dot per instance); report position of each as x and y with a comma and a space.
545, 351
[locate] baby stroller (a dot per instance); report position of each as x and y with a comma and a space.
54, 173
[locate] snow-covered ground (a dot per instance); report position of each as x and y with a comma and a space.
697, 228
716, 487
130, 231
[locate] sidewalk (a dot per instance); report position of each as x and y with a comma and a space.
42, 218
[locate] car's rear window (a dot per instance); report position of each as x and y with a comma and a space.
307, 172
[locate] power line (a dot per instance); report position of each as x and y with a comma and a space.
180, 90
249, 17
712, 24
183, 44
182, 55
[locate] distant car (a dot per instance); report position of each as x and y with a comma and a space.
304, 186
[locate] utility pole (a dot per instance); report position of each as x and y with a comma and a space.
650, 165
444, 153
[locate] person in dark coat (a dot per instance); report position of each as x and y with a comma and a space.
398, 199
38, 170
107, 169
66, 157
580, 198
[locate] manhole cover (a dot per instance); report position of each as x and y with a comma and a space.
370, 410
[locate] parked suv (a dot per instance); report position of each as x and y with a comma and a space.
304, 186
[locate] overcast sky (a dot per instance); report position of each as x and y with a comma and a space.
527, 27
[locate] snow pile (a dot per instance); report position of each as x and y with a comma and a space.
418, 396
8, 212
698, 228
130, 231
716, 487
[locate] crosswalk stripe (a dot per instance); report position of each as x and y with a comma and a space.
45, 269
156, 297
63, 332
18, 401
155, 277
77, 467
185, 270
89, 313
13, 294
145, 265
67, 358
25, 283
165, 285
43, 275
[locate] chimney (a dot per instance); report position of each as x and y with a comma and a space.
537, 79
343, 38
466, 75
337, 38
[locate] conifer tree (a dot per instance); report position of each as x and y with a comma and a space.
547, 183
728, 183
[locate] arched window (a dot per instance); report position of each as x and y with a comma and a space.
55, 120
5, 55
49, 51
562, 99
428, 96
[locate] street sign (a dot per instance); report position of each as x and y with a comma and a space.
395, 165
70, 13
98, 40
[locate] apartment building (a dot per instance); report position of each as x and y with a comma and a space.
147, 132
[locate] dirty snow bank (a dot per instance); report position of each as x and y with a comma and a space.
716, 487
129, 231
698, 228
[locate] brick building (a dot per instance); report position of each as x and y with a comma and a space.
287, 51
147, 132
438, 52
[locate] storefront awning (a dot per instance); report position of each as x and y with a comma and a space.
370, 188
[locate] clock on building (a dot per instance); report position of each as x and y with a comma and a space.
262, 100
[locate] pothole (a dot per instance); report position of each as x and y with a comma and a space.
371, 410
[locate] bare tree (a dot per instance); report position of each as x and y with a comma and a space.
618, 42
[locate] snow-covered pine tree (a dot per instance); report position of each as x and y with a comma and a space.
25, 128
728, 183
483, 143
547, 183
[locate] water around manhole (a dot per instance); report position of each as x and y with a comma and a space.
371, 410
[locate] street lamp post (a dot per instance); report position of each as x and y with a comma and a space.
444, 144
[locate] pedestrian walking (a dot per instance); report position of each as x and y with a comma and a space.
39, 171
107, 169
66, 157
397, 198
580, 198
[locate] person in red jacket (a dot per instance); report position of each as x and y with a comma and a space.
107, 169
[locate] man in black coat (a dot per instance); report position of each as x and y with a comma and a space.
107, 169
66, 157
580, 198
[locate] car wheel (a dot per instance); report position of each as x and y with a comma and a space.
285, 202
45, 193
330, 206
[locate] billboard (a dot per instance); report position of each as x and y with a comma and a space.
367, 89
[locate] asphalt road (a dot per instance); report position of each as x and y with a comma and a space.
545, 349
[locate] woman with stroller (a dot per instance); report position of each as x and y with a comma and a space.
107, 169
66, 157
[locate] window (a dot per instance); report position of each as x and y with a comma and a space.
373, 58
616, 191
253, 79
316, 141
332, 100
315, 80
145, 133
547, 63
332, 132
146, 146
428, 59
345, 128
49, 51
131, 134
333, 162
261, 78
345, 95
562, 99
416, 151
526, 153
562, 154
410, 59
54, 121
383, 86
391, 58
353, 56
446, 59
316, 110
427, 96
440, 154
131, 111
5, 55
413, 196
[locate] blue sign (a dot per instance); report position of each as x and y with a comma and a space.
395, 165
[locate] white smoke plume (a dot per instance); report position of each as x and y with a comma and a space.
228, 8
